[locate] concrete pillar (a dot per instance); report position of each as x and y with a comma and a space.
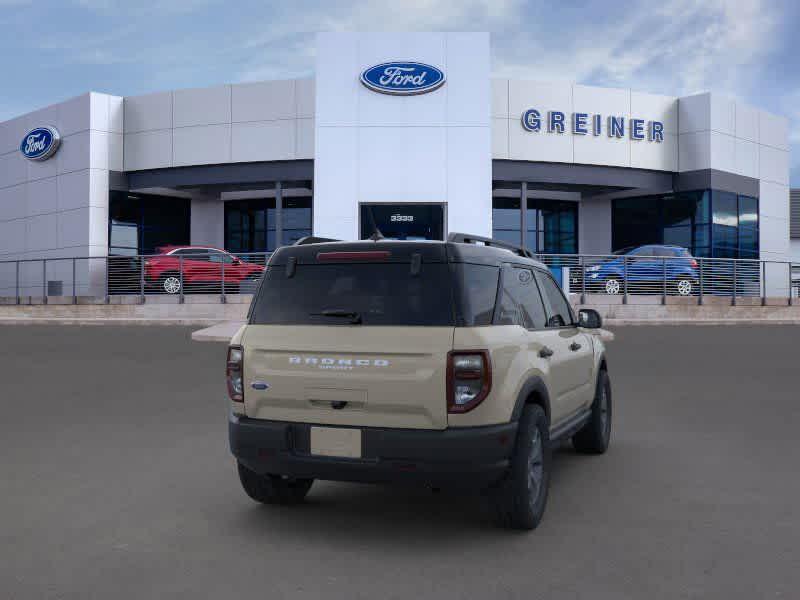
207, 222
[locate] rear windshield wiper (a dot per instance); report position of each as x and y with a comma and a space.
355, 318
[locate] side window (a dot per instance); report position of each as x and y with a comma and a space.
219, 257
478, 292
521, 303
192, 254
560, 314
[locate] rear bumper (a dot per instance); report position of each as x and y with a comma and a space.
465, 457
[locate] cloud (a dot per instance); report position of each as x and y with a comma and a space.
675, 47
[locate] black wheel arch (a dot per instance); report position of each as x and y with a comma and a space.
534, 391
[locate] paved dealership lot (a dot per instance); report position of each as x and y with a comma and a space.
115, 482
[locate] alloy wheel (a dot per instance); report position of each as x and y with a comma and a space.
612, 286
684, 287
172, 285
604, 421
536, 467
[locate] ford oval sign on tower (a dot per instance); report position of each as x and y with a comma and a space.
40, 143
402, 78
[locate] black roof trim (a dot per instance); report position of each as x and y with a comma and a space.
495, 253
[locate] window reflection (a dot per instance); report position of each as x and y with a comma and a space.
706, 222
140, 223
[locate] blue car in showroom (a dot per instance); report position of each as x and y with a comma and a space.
646, 269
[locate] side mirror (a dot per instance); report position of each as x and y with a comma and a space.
589, 318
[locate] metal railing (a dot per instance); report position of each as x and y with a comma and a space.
631, 278
69, 279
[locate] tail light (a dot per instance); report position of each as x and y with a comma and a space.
234, 373
694, 264
469, 379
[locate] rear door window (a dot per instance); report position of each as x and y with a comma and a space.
333, 294
558, 309
520, 302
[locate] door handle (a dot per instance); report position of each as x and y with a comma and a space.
574, 346
545, 352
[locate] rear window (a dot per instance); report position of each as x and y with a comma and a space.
378, 293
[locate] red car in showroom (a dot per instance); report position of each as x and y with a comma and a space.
204, 269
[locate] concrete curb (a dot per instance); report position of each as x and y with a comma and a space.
621, 322
105, 321
221, 332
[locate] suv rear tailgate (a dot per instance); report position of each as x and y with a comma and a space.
377, 376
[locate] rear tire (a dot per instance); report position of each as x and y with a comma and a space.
273, 489
595, 436
520, 499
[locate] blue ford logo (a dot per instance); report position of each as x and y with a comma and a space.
402, 78
40, 143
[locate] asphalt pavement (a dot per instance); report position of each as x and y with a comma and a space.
116, 482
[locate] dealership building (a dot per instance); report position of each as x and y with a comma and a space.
407, 133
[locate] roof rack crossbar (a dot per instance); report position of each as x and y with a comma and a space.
465, 238
311, 239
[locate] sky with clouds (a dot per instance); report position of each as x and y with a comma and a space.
748, 49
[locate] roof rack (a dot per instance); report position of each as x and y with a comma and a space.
311, 239
465, 238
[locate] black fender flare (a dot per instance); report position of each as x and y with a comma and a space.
534, 385
602, 363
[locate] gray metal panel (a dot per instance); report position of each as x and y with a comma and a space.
712, 179
561, 174
794, 220
221, 175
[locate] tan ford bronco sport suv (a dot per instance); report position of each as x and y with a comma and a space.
442, 363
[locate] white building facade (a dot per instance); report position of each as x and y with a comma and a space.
559, 167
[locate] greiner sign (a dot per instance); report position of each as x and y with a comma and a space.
593, 124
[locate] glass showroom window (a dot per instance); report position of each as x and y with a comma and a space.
283, 216
707, 223
250, 225
296, 219
552, 226
748, 227
506, 220
295, 210
141, 223
506, 213
686, 221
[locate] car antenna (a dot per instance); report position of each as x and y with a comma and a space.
376, 233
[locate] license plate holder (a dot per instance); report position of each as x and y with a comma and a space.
336, 442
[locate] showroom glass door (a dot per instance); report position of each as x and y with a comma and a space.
403, 221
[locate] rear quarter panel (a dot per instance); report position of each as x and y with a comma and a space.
512, 365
